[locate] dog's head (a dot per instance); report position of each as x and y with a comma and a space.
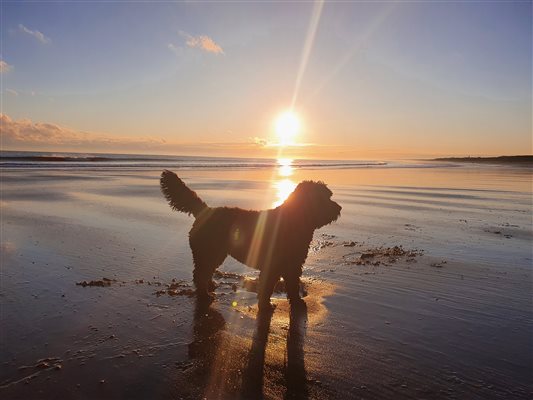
312, 201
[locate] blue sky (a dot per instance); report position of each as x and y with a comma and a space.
382, 78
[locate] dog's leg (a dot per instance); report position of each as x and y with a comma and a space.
292, 285
201, 282
267, 282
203, 272
211, 285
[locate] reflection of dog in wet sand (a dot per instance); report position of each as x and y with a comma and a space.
273, 241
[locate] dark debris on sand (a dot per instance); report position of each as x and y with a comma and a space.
176, 288
384, 255
101, 283
325, 240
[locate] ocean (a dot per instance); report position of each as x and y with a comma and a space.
65, 160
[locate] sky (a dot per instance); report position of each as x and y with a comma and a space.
367, 80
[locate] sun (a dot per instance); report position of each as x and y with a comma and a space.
287, 128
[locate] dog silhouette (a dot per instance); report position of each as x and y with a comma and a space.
274, 241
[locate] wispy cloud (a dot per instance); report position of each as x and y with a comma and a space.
25, 132
12, 92
263, 142
36, 34
260, 141
175, 49
5, 67
202, 42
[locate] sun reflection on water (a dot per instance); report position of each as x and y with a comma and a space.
284, 187
285, 167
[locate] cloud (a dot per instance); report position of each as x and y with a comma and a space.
202, 42
36, 34
5, 67
260, 141
12, 92
24, 133
175, 49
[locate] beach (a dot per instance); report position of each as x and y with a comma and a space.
422, 288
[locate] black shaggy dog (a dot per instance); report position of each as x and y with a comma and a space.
273, 241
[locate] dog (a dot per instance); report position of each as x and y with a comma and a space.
275, 241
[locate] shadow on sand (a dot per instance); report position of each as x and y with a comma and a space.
228, 370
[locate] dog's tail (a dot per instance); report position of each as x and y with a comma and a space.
179, 196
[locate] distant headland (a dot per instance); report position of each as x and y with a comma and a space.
526, 160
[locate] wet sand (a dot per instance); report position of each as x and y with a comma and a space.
421, 290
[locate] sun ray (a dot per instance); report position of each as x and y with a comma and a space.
357, 46
308, 45
284, 188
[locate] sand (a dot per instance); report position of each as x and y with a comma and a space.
421, 290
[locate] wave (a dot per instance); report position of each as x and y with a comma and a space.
53, 158
10, 159
79, 157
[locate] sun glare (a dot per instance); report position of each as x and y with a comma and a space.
287, 128
284, 188
285, 166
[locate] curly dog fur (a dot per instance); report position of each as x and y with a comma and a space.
275, 241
